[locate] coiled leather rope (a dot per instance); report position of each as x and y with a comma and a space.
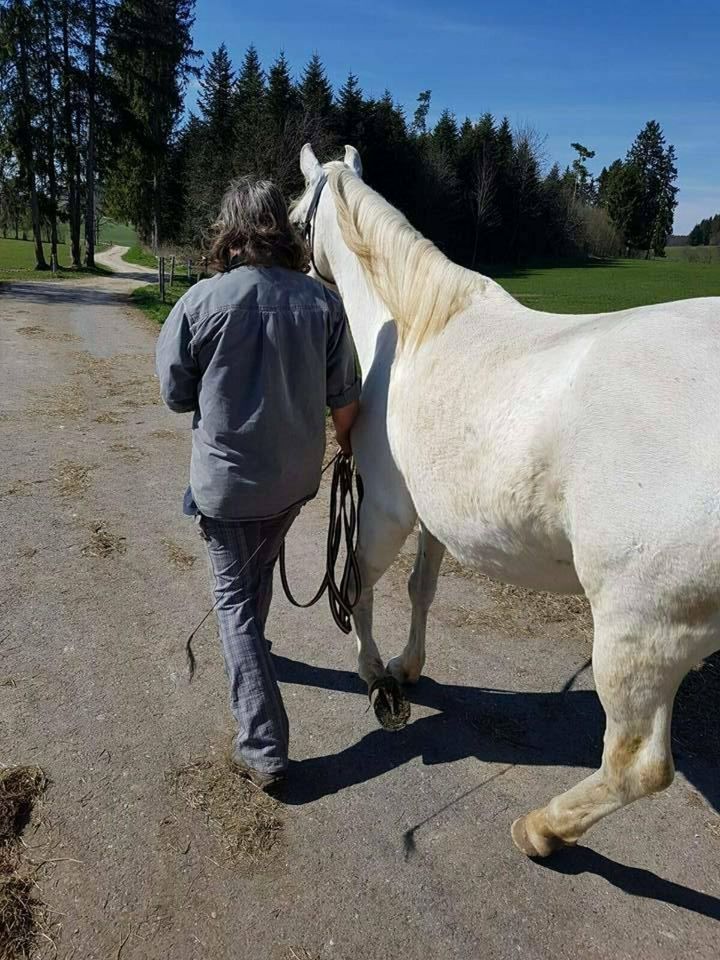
342, 525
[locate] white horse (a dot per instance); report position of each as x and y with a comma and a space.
564, 453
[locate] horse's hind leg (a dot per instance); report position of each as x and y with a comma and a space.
636, 678
421, 586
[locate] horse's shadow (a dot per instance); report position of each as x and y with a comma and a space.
561, 728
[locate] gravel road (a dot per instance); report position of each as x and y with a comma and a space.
102, 578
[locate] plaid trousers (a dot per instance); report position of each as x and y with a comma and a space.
242, 557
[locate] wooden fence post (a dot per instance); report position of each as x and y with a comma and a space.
189, 270
172, 270
161, 277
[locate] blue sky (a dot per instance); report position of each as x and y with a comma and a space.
593, 72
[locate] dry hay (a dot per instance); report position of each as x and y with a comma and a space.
108, 418
244, 819
178, 557
103, 543
40, 333
64, 402
22, 913
127, 453
72, 478
117, 377
20, 488
144, 391
168, 435
300, 953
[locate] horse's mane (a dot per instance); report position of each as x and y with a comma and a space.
421, 288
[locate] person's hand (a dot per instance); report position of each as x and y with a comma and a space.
344, 443
343, 420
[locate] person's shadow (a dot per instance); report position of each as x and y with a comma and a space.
562, 728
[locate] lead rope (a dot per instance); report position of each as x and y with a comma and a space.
343, 523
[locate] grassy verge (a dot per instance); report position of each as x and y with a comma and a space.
605, 285
147, 298
141, 257
17, 262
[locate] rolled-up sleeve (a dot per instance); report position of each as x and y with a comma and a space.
176, 366
343, 380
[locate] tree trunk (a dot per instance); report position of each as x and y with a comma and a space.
52, 177
72, 158
90, 164
26, 148
155, 227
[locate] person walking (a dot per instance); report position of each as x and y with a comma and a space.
257, 353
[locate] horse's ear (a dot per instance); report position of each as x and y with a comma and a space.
309, 164
352, 160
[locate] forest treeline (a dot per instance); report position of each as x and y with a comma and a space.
706, 232
93, 121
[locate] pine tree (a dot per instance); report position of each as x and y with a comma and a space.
656, 165
419, 124
445, 135
204, 146
282, 99
315, 92
151, 54
250, 129
350, 113
585, 189
215, 98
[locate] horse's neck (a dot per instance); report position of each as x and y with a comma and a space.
365, 310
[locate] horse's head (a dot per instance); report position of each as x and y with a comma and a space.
312, 211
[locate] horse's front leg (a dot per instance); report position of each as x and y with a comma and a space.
421, 586
380, 539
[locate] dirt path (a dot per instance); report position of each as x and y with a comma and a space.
101, 579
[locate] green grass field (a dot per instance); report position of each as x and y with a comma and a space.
586, 287
120, 233
603, 285
17, 262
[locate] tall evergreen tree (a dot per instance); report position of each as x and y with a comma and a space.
251, 126
445, 135
315, 92
419, 124
215, 98
656, 165
151, 53
282, 98
350, 113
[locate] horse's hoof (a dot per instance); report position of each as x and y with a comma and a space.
391, 708
540, 844
396, 669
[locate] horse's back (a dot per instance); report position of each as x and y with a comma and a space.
575, 433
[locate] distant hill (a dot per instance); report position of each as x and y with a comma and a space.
677, 240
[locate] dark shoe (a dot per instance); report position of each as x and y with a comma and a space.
270, 783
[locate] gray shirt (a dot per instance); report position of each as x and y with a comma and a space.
257, 353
